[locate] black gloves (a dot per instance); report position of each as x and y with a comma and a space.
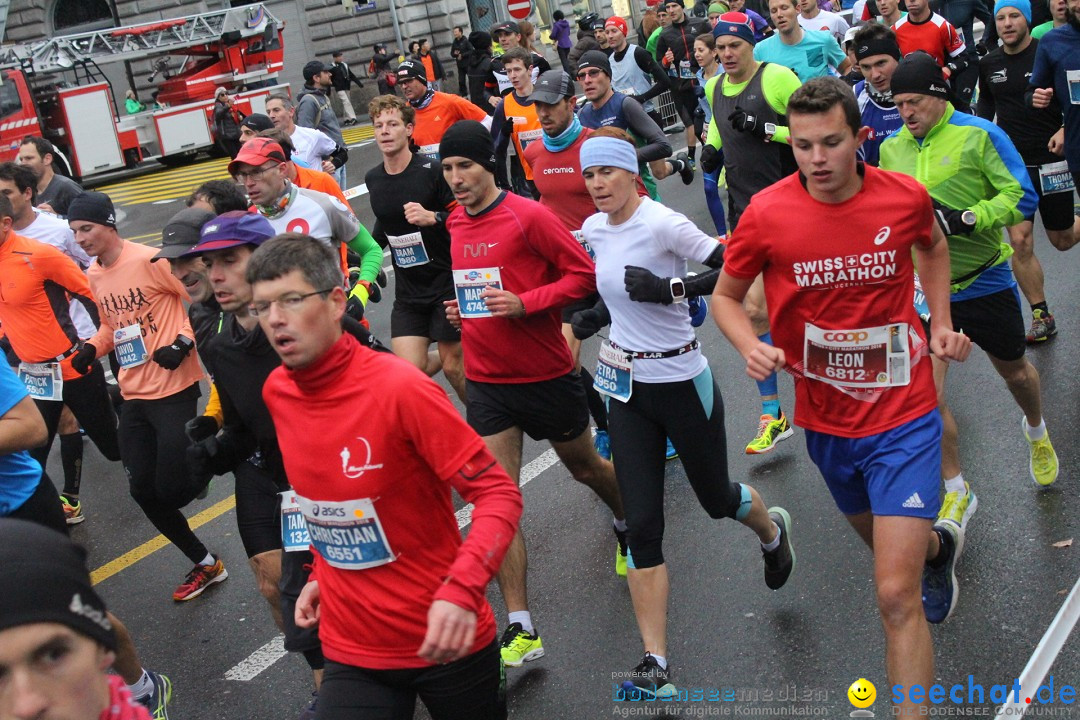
744, 122
170, 356
952, 221
643, 286
201, 427
587, 323
83, 360
711, 159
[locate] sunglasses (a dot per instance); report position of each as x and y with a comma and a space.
588, 73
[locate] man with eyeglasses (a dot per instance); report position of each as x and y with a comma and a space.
140, 303
396, 594
260, 168
609, 108
240, 359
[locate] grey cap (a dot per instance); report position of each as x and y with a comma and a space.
552, 86
181, 233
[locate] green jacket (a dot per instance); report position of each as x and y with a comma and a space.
968, 163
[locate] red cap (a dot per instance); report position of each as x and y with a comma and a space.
257, 151
617, 22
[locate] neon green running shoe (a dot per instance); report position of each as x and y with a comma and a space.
958, 507
1044, 461
770, 431
519, 647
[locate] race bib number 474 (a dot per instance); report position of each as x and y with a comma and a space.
469, 285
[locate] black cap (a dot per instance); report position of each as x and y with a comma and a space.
552, 86
45, 580
595, 59
96, 207
469, 139
919, 73
313, 68
411, 69
257, 122
480, 40
509, 26
181, 233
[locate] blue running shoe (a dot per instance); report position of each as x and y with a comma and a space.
157, 701
671, 454
939, 587
699, 310
602, 443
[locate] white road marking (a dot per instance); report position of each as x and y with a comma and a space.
260, 660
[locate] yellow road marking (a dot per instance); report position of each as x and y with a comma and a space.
151, 546
143, 239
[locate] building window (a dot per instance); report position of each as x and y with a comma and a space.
72, 16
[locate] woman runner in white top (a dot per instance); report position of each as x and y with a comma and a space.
660, 386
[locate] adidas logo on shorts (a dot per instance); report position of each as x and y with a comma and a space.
914, 501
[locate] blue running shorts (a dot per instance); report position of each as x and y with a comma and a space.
897, 472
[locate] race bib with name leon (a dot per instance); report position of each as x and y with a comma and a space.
874, 357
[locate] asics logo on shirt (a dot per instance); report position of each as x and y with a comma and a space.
999, 76
883, 235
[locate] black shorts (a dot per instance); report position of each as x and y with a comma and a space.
686, 102
577, 306
555, 410
258, 509
1056, 210
422, 320
472, 688
993, 322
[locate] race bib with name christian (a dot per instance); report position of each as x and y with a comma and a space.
409, 250
43, 381
873, 357
469, 284
348, 535
130, 347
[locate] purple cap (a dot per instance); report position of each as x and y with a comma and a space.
231, 229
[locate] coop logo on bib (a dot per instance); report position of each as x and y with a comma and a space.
846, 271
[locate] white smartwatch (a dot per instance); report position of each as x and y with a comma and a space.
678, 289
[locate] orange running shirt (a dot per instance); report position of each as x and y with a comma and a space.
432, 121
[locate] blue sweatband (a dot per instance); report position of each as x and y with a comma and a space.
609, 152
746, 501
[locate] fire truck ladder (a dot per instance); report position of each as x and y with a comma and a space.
134, 42
5, 5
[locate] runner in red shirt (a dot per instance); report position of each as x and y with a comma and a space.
843, 322
515, 268
397, 595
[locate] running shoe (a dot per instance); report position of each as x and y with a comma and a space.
72, 511
686, 168
1044, 461
670, 453
1043, 327
651, 680
780, 562
205, 492
200, 578
958, 507
699, 310
602, 443
158, 700
620, 552
308, 713
939, 588
519, 647
770, 431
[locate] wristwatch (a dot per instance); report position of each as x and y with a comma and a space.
968, 218
678, 289
440, 217
770, 130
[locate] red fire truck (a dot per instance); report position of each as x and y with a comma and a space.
55, 87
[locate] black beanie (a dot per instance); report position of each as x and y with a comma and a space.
45, 580
469, 139
93, 206
919, 73
595, 59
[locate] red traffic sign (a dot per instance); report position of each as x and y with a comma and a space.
519, 9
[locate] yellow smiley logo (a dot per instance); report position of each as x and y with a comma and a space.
862, 693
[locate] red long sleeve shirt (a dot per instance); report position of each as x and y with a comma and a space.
539, 261
363, 425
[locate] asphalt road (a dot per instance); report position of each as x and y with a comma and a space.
792, 652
